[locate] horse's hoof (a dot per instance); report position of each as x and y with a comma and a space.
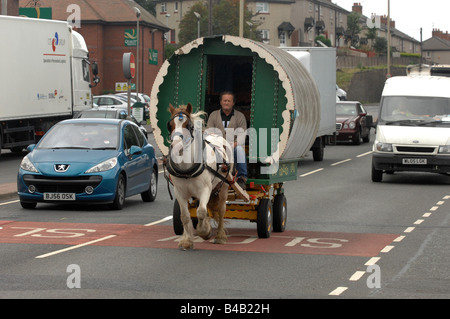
206, 237
186, 246
220, 240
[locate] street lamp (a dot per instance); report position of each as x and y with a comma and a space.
198, 23
138, 14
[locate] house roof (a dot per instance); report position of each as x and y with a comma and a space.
436, 44
100, 11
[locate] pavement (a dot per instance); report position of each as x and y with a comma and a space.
8, 191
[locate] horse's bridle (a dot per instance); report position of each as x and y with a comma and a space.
189, 126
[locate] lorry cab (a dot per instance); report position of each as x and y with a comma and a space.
81, 74
413, 129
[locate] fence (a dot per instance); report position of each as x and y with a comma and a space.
349, 62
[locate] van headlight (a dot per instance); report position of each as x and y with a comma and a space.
444, 149
384, 147
27, 165
103, 166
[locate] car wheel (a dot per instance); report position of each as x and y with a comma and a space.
377, 175
150, 194
28, 205
357, 138
119, 200
366, 139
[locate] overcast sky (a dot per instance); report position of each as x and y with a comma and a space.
409, 15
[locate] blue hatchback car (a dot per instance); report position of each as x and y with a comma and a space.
89, 160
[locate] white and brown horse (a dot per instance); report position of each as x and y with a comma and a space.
194, 173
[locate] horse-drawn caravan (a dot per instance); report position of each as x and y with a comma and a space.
281, 104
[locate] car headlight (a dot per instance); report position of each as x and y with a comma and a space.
103, 166
352, 125
27, 165
384, 147
444, 149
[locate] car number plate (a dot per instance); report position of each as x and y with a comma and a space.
59, 196
414, 161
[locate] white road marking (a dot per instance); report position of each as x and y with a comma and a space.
357, 275
312, 172
337, 163
372, 261
364, 154
338, 291
409, 229
387, 249
159, 221
10, 202
75, 247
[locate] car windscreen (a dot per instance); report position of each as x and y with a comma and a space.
98, 114
414, 108
81, 136
346, 109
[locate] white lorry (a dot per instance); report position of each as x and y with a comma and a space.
45, 78
413, 131
321, 64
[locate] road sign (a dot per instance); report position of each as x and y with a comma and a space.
129, 65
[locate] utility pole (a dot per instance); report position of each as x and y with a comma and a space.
241, 18
389, 38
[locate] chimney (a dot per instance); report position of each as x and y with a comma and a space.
437, 33
357, 7
384, 21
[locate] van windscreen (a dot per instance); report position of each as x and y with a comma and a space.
414, 108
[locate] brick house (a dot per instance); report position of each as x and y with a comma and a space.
283, 22
399, 40
104, 24
436, 50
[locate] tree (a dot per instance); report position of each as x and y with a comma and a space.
189, 23
353, 26
371, 35
226, 19
380, 45
148, 5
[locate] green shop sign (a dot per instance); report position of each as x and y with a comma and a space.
38, 13
153, 56
130, 37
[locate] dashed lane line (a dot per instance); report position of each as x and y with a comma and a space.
359, 274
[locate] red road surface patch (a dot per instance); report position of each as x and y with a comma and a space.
161, 236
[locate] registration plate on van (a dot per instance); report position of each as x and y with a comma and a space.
59, 196
414, 161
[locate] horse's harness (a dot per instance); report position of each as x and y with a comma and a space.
197, 168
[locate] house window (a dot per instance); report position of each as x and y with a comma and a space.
265, 36
176, 6
163, 7
262, 7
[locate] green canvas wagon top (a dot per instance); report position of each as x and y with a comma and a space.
272, 89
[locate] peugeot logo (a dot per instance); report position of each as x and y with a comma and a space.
61, 168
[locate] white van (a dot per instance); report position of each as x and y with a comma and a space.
413, 131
